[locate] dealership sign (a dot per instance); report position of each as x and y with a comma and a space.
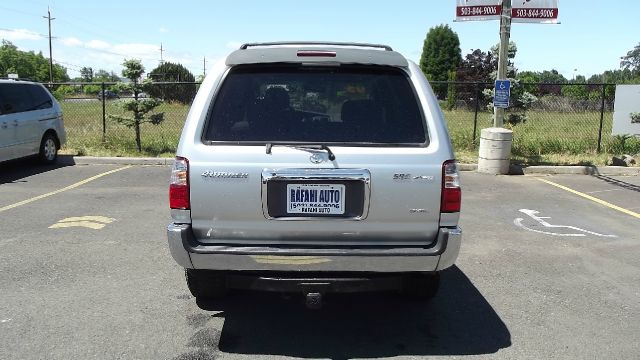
534, 11
478, 10
522, 11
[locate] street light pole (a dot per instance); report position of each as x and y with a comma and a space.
48, 17
503, 53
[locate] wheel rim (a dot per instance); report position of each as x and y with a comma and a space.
49, 149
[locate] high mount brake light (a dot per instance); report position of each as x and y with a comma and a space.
451, 192
316, 53
179, 184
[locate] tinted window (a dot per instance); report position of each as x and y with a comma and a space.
16, 97
40, 98
316, 104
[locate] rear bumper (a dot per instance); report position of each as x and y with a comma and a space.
189, 253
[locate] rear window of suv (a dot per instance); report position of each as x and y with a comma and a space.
341, 104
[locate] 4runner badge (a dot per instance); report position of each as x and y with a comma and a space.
224, 175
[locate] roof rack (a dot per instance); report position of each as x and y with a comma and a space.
377, 46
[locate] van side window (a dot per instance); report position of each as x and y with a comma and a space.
40, 98
15, 98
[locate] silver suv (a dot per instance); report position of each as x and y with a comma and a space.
314, 167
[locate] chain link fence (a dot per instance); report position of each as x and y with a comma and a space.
558, 119
548, 119
91, 130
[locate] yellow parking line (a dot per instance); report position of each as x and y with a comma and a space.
594, 199
72, 186
87, 224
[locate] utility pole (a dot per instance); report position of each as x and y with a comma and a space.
505, 32
161, 51
204, 67
48, 17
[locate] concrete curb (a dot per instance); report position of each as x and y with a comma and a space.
513, 170
578, 170
563, 170
94, 160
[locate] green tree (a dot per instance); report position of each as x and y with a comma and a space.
477, 66
174, 73
141, 109
105, 76
631, 61
28, 65
86, 73
529, 80
575, 91
520, 99
452, 92
440, 55
511, 54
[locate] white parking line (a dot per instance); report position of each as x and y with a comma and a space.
601, 191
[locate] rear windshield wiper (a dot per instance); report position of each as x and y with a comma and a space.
303, 147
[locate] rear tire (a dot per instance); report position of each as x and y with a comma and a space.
206, 284
48, 149
422, 286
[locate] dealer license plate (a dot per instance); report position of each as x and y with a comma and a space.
315, 199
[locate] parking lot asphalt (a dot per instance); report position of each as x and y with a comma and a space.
544, 272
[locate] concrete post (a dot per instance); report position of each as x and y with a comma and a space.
495, 151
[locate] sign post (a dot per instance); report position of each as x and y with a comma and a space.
522, 11
495, 143
503, 54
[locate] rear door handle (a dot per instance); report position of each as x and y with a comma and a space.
4, 125
15, 122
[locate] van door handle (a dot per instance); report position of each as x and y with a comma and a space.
4, 125
15, 122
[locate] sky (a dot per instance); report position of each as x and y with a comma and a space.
591, 38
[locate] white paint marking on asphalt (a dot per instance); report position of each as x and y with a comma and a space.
601, 191
540, 219
91, 222
5, 320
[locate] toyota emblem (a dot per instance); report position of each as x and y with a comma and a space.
316, 158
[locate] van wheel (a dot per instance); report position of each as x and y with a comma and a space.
206, 284
48, 149
422, 286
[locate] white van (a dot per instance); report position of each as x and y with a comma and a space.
30, 122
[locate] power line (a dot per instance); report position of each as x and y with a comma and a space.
18, 11
67, 64
29, 32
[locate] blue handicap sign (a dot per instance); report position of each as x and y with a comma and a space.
501, 93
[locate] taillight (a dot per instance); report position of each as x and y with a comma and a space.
451, 193
179, 184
